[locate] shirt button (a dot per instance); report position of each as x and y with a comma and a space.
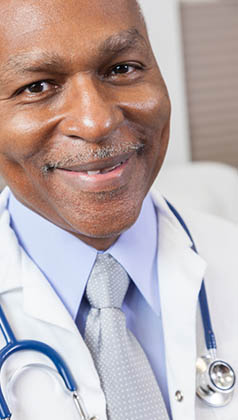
179, 396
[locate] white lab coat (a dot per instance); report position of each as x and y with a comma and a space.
35, 312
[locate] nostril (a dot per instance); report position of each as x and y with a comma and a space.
91, 122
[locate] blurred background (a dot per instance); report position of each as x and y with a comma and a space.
196, 46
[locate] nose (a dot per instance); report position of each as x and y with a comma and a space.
89, 112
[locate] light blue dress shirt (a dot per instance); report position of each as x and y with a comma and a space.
66, 262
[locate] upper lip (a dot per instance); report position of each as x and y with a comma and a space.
99, 164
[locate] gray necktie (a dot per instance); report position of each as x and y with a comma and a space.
130, 387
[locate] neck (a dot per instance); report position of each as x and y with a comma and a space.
100, 244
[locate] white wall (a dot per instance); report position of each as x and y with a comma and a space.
162, 17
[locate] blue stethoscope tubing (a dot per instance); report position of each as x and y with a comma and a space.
13, 346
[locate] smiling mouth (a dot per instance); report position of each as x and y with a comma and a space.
99, 167
102, 171
113, 173
103, 160
105, 170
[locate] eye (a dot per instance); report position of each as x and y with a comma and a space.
125, 69
39, 87
122, 69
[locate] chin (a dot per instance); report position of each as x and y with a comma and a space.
109, 221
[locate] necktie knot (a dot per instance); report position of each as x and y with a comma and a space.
107, 284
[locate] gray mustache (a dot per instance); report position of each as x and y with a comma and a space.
91, 155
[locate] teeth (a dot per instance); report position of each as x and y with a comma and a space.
93, 172
112, 168
104, 171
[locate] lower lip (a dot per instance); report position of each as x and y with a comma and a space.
108, 181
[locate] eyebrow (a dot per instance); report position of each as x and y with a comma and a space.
43, 61
123, 41
35, 61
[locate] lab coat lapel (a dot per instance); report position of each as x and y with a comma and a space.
18, 271
180, 273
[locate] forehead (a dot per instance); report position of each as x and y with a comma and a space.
27, 24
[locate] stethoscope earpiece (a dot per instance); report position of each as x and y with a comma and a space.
215, 381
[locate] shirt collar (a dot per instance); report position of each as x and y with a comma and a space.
136, 250
67, 267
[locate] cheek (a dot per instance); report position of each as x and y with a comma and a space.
150, 108
148, 105
23, 135
153, 110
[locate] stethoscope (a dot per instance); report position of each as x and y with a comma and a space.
13, 346
215, 378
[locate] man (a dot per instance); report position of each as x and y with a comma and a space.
84, 130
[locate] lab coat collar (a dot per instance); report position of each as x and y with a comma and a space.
173, 227
18, 271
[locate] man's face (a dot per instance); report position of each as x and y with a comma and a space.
84, 112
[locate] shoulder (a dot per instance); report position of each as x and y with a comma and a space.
216, 238
217, 243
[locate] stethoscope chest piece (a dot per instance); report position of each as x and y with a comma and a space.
215, 381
